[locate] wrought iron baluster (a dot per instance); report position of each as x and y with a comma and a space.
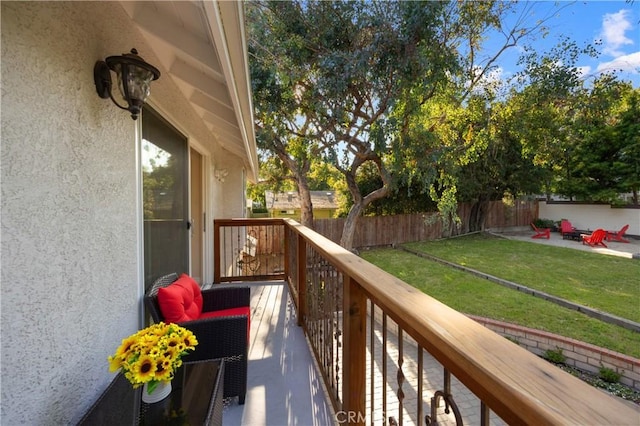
372, 357
400, 374
336, 307
449, 402
420, 382
485, 414
384, 363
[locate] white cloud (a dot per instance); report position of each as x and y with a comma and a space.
627, 63
584, 71
614, 27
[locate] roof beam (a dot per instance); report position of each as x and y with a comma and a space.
201, 82
167, 30
220, 124
224, 112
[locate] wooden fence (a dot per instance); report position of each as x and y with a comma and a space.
374, 231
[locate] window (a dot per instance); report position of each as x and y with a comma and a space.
165, 197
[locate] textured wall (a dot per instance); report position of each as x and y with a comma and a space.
69, 243
71, 286
593, 216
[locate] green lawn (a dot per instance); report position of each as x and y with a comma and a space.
602, 282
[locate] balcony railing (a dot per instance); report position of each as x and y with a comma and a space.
372, 335
248, 249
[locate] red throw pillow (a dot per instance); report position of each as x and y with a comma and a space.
180, 301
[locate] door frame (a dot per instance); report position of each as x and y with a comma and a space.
207, 240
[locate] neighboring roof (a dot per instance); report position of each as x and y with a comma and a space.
203, 46
290, 201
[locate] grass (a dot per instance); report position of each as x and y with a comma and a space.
607, 283
472, 295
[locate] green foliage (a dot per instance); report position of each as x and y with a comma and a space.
615, 389
544, 223
401, 200
581, 133
366, 82
609, 375
555, 356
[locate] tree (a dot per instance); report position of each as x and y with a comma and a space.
328, 75
500, 167
604, 164
628, 156
544, 107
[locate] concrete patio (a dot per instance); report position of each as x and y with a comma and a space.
630, 250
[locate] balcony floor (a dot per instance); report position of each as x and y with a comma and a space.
283, 385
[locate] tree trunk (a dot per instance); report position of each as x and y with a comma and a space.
478, 215
299, 172
306, 207
360, 203
349, 229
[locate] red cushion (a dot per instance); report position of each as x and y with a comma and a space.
243, 310
181, 300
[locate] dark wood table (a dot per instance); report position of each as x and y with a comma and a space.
195, 399
575, 234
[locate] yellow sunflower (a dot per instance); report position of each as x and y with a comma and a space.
153, 354
115, 363
189, 341
173, 341
163, 369
125, 347
144, 369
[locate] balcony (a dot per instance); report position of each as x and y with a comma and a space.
384, 352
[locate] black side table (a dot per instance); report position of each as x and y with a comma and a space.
195, 399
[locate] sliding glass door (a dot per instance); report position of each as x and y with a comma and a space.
165, 197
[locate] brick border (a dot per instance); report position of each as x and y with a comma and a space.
581, 355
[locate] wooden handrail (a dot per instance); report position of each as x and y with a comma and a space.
517, 385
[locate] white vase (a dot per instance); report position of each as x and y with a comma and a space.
162, 390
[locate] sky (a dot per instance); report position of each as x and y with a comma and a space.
615, 25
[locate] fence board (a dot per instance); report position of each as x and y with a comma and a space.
374, 231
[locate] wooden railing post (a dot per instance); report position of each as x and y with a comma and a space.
354, 305
302, 278
286, 232
216, 252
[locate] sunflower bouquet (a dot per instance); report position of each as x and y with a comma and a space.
153, 354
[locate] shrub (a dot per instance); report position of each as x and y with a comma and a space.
544, 223
554, 355
608, 375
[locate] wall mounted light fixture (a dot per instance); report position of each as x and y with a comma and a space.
220, 174
134, 78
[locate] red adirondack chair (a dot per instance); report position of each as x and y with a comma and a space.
617, 235
596, 238
566, 227
541, 232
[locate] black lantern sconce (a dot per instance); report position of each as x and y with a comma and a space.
134, 78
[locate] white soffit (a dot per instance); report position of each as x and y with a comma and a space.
202, 44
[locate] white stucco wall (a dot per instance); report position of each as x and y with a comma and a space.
70, 266
592, 216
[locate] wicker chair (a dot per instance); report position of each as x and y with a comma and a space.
218, 337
